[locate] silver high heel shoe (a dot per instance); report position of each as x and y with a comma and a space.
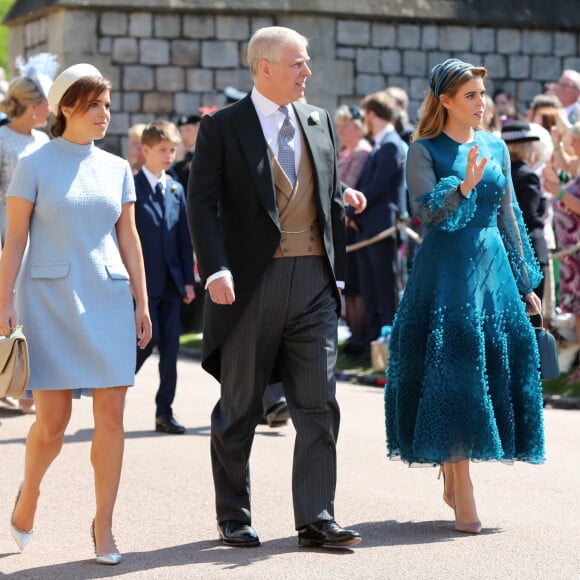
111, 559
20, 536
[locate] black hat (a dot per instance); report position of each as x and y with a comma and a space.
188, 120
233, 95
518, 132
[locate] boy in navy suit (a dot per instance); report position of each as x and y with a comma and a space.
162, 225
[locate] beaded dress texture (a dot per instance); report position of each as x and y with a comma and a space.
463, 379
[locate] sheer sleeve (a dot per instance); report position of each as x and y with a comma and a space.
437, 203
521, 256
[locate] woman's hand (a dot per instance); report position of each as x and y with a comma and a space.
533, 304
473, 172
7, 320
144, 327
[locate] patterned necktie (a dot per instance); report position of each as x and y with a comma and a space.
159, 197
285, 150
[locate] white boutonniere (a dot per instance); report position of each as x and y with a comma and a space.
174, 189
314, 118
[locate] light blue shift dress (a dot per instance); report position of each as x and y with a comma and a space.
72, 294
463, 379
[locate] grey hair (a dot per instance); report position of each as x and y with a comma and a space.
266, 44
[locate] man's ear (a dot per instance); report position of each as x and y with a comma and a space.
264, 67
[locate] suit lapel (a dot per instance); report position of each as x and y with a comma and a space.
317, 143
255, 149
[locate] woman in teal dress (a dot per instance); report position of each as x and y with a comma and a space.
463, 382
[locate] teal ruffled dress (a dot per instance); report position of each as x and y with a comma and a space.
463, 379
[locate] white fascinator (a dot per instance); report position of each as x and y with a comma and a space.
40, 69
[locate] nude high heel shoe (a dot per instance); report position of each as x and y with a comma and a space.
20, 536
110, 559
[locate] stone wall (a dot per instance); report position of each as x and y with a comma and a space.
169, 62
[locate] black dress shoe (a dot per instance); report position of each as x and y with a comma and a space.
278, 414
239, 534
168, 424
327, 534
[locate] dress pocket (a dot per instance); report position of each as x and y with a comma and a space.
49, 270
117, 271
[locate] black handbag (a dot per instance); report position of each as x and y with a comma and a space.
549, 364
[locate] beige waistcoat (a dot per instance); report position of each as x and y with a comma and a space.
297, 210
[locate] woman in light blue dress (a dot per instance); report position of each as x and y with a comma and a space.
463, 381
74, 294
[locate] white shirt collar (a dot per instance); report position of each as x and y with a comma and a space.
153, 179
382, 134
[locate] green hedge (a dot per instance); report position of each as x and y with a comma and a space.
5, 5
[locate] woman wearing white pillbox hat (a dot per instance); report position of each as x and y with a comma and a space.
74, 295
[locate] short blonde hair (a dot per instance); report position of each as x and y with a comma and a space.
158, 131
266, 44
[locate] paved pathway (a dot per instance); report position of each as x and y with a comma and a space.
165, 522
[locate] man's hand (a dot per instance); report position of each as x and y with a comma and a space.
221, 290
189, 294
356, 199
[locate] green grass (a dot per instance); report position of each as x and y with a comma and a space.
192, 340
5, 5
561, 386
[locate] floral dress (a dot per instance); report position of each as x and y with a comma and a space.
568, 234
463, 379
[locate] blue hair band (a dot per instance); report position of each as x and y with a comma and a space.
443, 75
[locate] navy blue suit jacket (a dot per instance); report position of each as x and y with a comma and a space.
166, 243
382, 180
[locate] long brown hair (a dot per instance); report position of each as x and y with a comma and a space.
79, 97
433, 115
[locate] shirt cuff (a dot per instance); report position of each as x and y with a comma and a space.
220, 274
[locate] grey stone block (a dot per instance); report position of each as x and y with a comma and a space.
519, 66
167, 26
354, 32
119, 124
154, 51
238, 78
509, 40
408, 36
368, 60
199, 80
219, 54
436, 57
125, 50
546, 68
138, 78
186, 103
384, 35
257, 22
414, 63
185, 53
526, 91
429, 37
564, 44
199, 26
572, 62
158, 103
141, 24
232, 27
391, 62
368, 84
537, 42
170, 78
496, 65
454, 38
113, 24
346, 53
132, 102
483, 40
106, 45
